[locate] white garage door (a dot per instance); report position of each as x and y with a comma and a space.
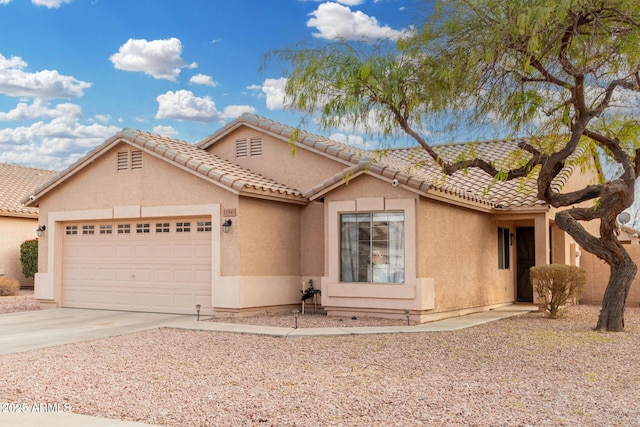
159, 265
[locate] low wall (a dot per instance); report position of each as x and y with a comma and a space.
598, 278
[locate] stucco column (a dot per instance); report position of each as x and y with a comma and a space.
541, 225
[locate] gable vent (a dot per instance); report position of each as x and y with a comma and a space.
136, 160
241, 149
256, 147
123, 161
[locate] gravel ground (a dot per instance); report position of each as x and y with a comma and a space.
311, 320
18, 303
526, 370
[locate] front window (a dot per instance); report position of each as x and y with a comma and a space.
504, 241
372, 247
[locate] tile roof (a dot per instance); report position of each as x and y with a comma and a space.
187, 155
412, 167
16, 183
334, 148
206, 164
415, 169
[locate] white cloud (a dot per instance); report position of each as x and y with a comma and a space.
201, 79
165, 130
51, 4
54, 144
333, 21
158, 58
103, 118
274, 90
184, 105
351, 2
235, 111
24, 111
14, 81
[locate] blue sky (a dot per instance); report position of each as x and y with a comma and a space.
74, 72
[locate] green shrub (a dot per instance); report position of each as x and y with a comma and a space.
556, 284
8, 287
29, 257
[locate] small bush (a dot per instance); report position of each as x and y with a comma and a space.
556, 284
8, 287
29, 257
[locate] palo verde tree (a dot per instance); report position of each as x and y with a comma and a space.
565, 73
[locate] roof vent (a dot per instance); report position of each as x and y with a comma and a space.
241, 149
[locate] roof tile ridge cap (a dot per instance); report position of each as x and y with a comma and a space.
227, 178
337, 177
13, 165
454, 189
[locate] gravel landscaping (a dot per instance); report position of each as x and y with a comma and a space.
18, 303
526, 370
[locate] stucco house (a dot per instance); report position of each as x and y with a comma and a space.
17, 221
240, 222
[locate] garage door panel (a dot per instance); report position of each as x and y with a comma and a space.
143, 251
163, 251
158, 272
184, 301
202, 252
163, 276
122, 274
107, 251
104, 274
184, 276
183, 252
123, 252
74, 252
203, 276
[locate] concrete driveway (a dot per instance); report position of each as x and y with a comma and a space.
32, 330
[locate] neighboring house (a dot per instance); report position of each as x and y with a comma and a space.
137, 224
599, 271
17, 221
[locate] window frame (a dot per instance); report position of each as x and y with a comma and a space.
88, 230
163, 227
203, 226
370, 253
106, 229
504, 248
183, 227
143, 228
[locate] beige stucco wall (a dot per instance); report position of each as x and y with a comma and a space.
312, 241
301, 171
14, 231
598, 277
269, 238
459, 249
100, 186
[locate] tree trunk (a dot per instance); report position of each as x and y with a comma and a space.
615, 296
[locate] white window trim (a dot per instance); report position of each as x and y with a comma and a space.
335, 209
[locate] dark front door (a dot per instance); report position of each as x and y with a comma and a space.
525, 259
